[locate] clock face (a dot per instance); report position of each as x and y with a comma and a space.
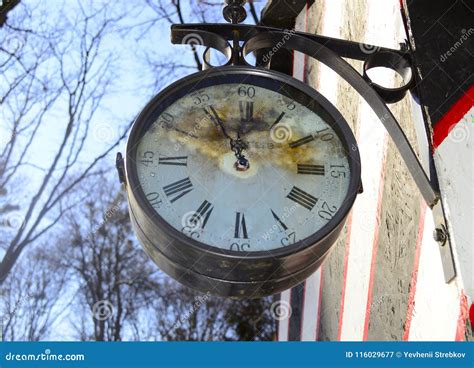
243, 167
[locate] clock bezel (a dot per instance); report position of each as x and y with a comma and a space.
238, 74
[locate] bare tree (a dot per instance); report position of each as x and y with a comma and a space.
57, 72
166, 12
115, 279
194, 316
29, 302
91, 274
122, 295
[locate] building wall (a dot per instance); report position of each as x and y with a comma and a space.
384, 279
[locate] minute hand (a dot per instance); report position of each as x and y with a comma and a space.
216, 120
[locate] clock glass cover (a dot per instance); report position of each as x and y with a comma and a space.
249, 166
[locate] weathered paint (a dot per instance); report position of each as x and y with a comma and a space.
384, 278
454, 163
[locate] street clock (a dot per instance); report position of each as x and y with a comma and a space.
239, 180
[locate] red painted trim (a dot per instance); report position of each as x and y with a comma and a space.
344, 282
318, 321
454, 115
463, 316
375, 243
471, 315
414, 274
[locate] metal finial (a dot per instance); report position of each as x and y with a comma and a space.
234, 12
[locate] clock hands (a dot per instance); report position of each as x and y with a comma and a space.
217, 120
236, 145
277, 120
324, 135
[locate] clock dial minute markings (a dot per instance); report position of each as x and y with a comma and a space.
302, 198
178, 189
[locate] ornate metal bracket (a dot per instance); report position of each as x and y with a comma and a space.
236, 41
330, 52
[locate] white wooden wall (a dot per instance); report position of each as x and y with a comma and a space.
345, 299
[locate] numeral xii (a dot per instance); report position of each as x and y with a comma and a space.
246, 110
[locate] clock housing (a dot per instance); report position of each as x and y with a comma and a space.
226, 272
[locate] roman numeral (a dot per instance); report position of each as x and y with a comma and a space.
240, 227
310, 169
202, 214
246, 110
282, 224
176, 161
178, 189
301, 141
278, 119
302, 198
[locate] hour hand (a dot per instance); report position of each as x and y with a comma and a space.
278, 119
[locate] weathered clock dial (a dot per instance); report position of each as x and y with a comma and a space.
239, 180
